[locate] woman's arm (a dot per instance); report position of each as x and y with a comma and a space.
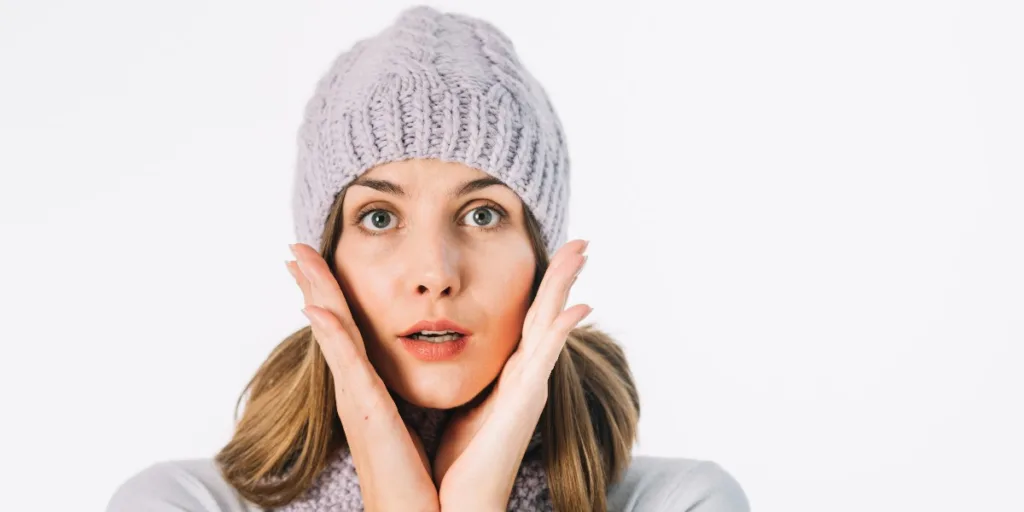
665, 484
193, 485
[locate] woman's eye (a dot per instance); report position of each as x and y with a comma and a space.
378, 220
483, 217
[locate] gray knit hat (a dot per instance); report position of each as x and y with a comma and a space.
432, 85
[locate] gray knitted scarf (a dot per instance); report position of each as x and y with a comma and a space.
336, 489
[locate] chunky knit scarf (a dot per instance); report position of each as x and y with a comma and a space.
336, 489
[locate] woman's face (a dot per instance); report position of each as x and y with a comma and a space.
431, 240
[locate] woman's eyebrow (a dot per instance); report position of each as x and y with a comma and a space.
382, 185
473, 186
395, 189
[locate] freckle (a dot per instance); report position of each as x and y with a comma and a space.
366, 417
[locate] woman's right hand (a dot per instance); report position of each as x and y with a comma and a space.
394, 473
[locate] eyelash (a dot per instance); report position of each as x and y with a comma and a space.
502, 217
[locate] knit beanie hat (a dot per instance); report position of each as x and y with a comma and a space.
432, 85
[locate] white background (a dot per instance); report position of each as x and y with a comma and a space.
807, 225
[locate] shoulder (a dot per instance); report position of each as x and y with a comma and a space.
676, 484
190, 485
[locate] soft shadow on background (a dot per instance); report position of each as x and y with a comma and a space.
806, 220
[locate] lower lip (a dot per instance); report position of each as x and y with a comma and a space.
427, 351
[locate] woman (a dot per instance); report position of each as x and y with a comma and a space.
441, 369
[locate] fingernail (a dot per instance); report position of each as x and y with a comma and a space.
586, 243
307, 315
291, 247
589, 311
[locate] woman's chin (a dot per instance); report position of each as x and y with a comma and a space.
437, 393
435, 398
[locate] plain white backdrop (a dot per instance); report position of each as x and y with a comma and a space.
807, 225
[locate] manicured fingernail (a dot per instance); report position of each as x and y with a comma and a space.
589, 311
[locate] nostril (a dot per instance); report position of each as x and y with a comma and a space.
423, 289
444, 293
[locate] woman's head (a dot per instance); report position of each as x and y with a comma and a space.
426, 240
434, 103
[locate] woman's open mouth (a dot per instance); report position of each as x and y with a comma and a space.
436, 336
435, 340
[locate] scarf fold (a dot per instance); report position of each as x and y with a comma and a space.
336, 488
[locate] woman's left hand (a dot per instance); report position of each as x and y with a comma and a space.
480, 451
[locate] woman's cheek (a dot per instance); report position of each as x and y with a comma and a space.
514, 284
369, 288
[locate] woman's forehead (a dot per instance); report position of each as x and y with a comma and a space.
424, 171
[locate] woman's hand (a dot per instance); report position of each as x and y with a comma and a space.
482, 447
393, 470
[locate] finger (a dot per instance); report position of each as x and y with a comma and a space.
567, 250
324, 288
313, 267
301, 282
552, 296
337, 346
563, 297
550, 349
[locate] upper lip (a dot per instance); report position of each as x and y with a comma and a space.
441, 324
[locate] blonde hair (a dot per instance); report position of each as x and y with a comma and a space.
290, 426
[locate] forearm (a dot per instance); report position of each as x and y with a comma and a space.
385, 486
488, 484
381, 449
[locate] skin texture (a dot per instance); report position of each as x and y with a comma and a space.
427, 255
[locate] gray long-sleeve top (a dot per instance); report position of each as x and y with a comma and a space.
650, 484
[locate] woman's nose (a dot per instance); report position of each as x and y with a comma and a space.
434, 265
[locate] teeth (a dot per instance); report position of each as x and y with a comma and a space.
435, 338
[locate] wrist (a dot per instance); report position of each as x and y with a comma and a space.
360, 393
